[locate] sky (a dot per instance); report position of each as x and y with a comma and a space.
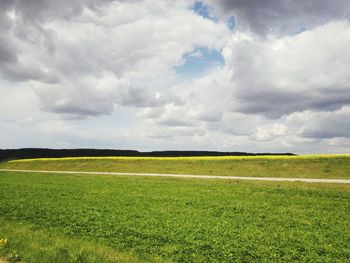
222, 75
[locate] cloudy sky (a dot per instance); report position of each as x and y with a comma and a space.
227, 75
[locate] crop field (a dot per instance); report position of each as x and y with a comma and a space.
307, 166
104, 218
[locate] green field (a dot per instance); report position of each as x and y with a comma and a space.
79, 218
29, 243
309, 166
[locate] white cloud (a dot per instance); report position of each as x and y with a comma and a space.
196, 54
116, 61
266, 83
277, 76
70, 60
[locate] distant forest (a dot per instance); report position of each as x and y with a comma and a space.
10, 154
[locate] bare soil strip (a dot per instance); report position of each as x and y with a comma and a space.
306, 180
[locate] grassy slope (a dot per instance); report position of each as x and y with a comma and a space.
186, 220
304, 166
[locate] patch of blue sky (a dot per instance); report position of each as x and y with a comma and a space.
204, 10
198, 62
231, 23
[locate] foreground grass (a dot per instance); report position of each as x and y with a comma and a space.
179, 220
25, 242
308, 166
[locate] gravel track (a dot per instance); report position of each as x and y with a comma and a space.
275, 179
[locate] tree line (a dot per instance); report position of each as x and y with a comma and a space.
10, 154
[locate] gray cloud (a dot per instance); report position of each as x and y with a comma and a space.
17, 30
326, 125
39, 10
282, 16
274, 103
74, 103
93, 97
7, 54
279, 76
27, 46
140, 97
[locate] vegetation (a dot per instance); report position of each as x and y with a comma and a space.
162, 219
307, 166
28, 243
25, 153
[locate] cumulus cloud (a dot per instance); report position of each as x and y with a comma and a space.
281, 16
67, 48
284, 85
273, 92
94, 95
19, 40
39, 10
322, 125
279, 76
200, 102
270, 78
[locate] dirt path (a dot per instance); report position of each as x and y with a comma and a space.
306, 180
